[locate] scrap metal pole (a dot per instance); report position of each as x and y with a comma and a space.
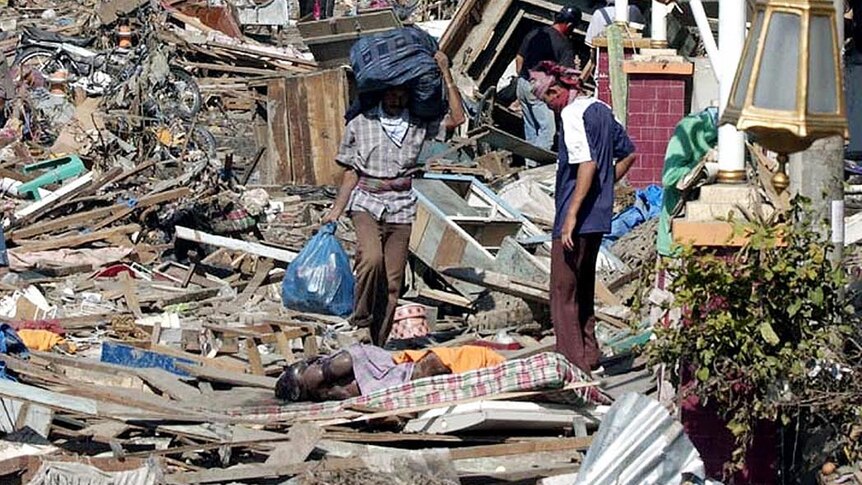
731, 38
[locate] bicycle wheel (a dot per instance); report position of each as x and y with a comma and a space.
41, 60
179, 95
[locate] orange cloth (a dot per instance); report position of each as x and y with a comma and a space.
458, 359
43, 340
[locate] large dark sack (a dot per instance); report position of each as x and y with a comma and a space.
400, 57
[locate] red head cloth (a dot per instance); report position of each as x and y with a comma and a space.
549, 73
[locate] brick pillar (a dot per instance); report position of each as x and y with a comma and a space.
656, 103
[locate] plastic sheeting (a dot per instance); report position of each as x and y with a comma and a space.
639, 442
647, 206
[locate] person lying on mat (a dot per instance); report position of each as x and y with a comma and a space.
363, 369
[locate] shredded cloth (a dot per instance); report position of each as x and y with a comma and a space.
458, 359
374, 368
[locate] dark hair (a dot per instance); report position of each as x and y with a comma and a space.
289, 385
568, 15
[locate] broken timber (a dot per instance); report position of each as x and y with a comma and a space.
258, 249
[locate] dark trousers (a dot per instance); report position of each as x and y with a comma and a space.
381, 255
573, 288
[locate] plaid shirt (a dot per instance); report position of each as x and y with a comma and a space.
366, 149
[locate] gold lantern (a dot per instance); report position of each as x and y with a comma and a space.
789, 88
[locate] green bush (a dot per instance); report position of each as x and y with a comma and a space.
764, 331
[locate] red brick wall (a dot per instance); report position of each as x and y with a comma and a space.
656, 104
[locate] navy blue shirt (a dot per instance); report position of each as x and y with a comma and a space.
589, 132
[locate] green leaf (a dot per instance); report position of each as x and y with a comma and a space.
794, 308
703, 374
817, 296
768, 334
737, 428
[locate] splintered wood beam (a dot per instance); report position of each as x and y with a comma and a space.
83, 218
235, 244
228, 377
527, 290
75, 241
263, 471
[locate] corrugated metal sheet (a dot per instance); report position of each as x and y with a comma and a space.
639, 442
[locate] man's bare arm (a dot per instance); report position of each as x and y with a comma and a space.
622, 167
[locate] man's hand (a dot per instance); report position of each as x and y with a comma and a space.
568, 232
442, 61
332, 216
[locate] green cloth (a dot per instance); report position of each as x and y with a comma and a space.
692, 138
618, 78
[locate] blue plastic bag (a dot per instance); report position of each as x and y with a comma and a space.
320, 279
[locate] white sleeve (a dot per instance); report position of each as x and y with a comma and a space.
575, 134
596, 28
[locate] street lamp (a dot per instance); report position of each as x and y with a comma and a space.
788, 89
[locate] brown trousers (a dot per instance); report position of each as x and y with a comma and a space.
381, 255
573, 288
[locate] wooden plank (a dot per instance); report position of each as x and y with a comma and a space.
67, 191
450, 251
262, 471
235, 244
284, 347
169, 384
500, 139
300, 131
326, 116
104, 430
605, 295
275, 168
445, 297
18, 415
130, 294
84, 218
254, 360
263, 267
646, 67
79, 240
302, 440
73, 404
229, 377
499, 282
219, 364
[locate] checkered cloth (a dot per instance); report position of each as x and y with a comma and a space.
548, 371
238, 220
367, 149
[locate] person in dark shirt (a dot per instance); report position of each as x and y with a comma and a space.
594, 152
549, 43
